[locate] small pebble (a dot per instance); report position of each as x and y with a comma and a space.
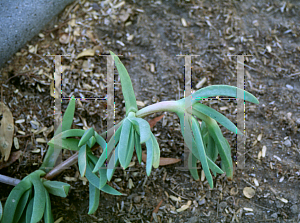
274, 215
202, 202
287, 143
137, 199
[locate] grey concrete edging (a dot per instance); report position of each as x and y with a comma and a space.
21, 20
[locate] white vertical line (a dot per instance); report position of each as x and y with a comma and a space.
57, 108
240, 112
188, 104
110, 101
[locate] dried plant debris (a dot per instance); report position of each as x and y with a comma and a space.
149, 35
6, 131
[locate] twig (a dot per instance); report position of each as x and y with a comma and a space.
156, 208
18, 75
42, 58
177, 194
249, 184
62, 166
295, 74
21, 136
263, 207
9, 180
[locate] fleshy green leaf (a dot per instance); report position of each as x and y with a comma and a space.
102, 171
92, 158
149, 161
108, 189
112, 163
156, 152
94, 197
201, 151
103, 177
22, 204
69, 133
69, 115
212, 150
217, 116
203, 129
14, 198
130, 148
224, 150
205, 139
192, 162
86, 136
29, 211
221, 143
48, 217
214, 168
53, 153
57, 188
92, 178
186, 130
100, 140
143, 128
222, 90
70, 144
91, 142
82, 160
39, 198
127, 89
138, 147
192, 145
107, 151
123, 143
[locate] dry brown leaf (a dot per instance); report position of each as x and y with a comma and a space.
65, 38
6, 131
156, 208
124, 15
162, 161
249, 192
234, 191
152, 122
86, 53
140, 103
184, 207
14, 156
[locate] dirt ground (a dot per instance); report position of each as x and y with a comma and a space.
150, 35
